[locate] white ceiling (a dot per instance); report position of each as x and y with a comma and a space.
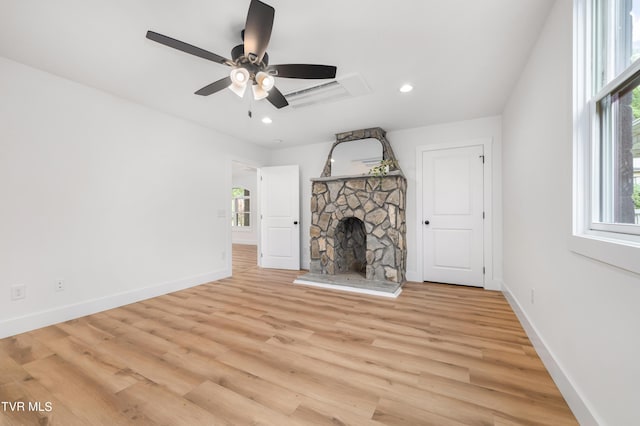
463, 57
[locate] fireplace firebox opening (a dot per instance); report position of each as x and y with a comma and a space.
351, 246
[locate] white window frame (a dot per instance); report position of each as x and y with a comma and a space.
614, 244
234, 213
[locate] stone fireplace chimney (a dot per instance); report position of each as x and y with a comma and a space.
358, 222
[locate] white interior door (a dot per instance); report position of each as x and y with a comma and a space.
452, 229
280, 222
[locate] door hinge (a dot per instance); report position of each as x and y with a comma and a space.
261, 175
482, 156
260, 254
483, 270
483, 215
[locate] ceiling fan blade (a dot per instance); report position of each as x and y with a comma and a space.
187, 48
257, 30
276, 98
307, 71
214, 87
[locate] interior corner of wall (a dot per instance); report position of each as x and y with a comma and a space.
494, 285
413, 276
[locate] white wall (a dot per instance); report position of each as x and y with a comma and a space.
247, 235
119, 201
311, 159
586, 313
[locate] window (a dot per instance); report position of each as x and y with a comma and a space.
607, 130
240, 207
613, 75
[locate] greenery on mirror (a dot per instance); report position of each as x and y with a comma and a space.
383, 168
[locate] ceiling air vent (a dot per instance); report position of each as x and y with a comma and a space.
347, 86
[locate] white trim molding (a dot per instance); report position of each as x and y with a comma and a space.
17, 325
490, 283
577, 403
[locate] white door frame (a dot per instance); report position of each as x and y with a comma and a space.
487, 143
254, 200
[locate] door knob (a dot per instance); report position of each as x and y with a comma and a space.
295, 222
426, 222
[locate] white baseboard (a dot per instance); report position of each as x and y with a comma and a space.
576, 402
494, 285
251, 242
17, 325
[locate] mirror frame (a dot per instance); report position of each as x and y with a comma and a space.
372, 133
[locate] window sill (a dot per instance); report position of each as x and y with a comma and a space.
619, 253
242, 228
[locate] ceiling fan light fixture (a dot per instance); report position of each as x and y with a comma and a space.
238, 89
259, 92
265, 81
239, 76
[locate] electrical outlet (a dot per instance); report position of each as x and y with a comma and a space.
533, 293
18, 292
59, 285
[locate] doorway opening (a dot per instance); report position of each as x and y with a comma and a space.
244, 216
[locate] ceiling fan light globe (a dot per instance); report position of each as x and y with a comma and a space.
239, 76
259, 92
238, 89
265, 81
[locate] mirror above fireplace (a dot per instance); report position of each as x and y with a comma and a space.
356, 157
354, 153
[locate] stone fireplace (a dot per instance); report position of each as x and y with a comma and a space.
358, 224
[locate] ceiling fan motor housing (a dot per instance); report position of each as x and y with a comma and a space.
238, 56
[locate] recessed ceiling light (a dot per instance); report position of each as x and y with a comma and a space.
406, 88
267, 120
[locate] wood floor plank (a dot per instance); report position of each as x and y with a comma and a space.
314, 412
104, 368
33, 391
10, 370
519, 407
162, 407
151, 367
91, 402
399, 413
267, 393
256, 349
24, 348
311, 384
17, 415
234, 408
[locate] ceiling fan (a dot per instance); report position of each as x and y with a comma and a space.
250, 61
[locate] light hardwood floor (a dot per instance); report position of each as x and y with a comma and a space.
255, 349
